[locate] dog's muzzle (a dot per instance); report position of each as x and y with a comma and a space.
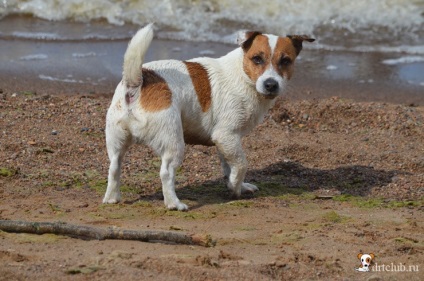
271, 87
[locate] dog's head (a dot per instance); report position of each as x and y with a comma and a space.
269, 60
365, 259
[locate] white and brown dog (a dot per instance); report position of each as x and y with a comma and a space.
165, 104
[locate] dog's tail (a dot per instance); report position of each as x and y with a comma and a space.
134, 56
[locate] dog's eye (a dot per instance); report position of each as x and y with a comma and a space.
258, 60
285, 61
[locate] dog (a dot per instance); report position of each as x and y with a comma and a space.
365, 261
214, 102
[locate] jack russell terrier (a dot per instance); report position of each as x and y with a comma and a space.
166, 104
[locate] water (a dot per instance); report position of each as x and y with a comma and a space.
360, 26
365, 49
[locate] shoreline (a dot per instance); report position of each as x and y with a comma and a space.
87, 67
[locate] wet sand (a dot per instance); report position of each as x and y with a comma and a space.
83, 67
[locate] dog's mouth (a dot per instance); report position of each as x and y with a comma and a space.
268, 96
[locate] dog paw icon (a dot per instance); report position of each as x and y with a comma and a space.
365, 261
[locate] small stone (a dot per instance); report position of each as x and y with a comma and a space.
374, 278
85, 129
54, 132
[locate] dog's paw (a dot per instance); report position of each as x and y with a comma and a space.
177, 206
111, 199
248, 188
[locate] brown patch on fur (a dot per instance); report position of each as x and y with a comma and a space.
284, 55
250, 36
155, 93
200, 79
259, 48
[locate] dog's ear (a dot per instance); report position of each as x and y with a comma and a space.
372, 255
359, 255
298, 40
245, 39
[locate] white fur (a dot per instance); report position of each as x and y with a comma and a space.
134, 56
236, 108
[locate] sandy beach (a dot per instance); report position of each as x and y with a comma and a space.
339, 163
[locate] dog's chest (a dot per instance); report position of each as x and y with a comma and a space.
246, 113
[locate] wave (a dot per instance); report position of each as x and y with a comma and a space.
362, 25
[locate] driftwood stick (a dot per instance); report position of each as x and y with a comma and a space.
89, 232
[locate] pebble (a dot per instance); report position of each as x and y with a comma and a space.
374, 278
54, 132
85, 129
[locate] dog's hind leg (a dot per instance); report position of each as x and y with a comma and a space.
171, 160
169, 144
117, 142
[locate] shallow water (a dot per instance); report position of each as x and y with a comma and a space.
81, 57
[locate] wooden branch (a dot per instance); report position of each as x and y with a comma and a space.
88, 232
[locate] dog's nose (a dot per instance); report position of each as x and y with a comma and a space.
271, 85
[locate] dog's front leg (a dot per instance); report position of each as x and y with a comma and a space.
226, 169
233, 162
